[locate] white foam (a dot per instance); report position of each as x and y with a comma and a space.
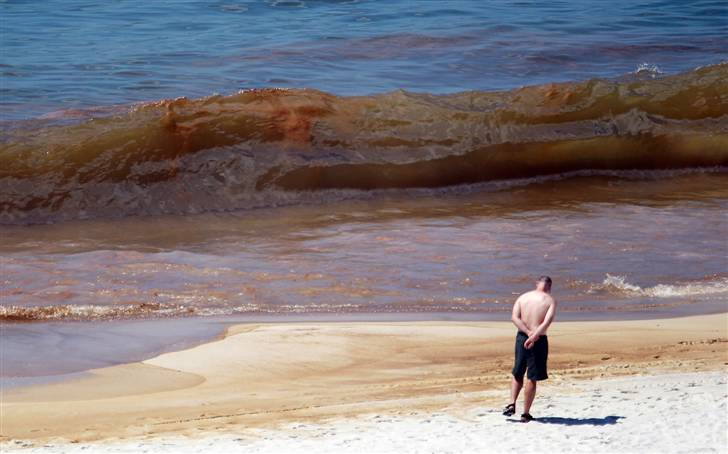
649, 69
619, 284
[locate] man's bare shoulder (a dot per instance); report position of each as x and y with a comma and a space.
526, 296
536, 297
533, 295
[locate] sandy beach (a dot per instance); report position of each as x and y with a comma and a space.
670, 417
304, 226
272, 384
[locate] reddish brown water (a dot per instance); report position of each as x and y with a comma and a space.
611, 244
269, 148
393, 157
103, 292
192, 214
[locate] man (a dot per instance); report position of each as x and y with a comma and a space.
533, 313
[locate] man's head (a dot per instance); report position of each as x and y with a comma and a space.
544, 284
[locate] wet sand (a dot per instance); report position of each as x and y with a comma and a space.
269, 375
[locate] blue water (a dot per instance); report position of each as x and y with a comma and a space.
65, 54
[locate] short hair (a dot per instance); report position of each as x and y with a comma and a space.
546, 280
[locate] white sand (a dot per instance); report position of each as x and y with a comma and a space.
660, 413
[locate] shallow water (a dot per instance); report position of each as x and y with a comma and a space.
611, 244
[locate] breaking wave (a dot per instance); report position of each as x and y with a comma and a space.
272, 147
69, 312
619, 285
88, 312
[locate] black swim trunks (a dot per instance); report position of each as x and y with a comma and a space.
534, 359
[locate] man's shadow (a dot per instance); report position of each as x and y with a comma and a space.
605, 421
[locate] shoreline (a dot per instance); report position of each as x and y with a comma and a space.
64, 349
267, 375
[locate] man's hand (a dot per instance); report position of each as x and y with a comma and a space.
530, 341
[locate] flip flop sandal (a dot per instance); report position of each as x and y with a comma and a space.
510, 410
526, 417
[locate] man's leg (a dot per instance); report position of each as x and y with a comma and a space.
519, 369
529, 395
516, 386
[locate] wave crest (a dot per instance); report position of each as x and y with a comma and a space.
88, 312
267, 147
619, 285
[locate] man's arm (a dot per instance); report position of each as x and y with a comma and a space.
538, 332
516, 317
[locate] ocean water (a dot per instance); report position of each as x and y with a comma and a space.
69, 54
192, 164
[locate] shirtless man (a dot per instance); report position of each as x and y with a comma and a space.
533, 312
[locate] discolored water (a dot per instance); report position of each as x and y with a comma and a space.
612, 244
271, 147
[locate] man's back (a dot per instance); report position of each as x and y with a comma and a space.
532, 314
533, 307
